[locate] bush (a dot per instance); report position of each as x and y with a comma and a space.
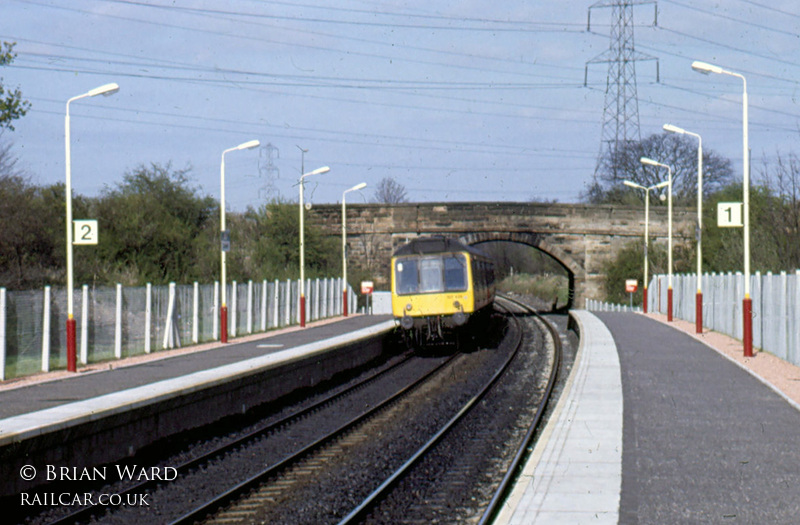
547, 287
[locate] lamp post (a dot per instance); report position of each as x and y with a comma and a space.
317, 171
106, 89
699, 297
646, 228
344, 245
223, 309
747, 303
651, 162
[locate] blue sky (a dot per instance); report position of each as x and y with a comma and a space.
456, 100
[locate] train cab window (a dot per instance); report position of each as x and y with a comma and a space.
406, 276
430, 275
455, 275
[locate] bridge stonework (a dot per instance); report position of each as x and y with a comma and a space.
581, 237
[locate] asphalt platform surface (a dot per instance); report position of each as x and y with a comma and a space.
703, 440
39, 396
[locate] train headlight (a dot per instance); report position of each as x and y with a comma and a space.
408, 307
457, 305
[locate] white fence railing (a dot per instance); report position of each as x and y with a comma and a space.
594, 305
776, 307
117, 322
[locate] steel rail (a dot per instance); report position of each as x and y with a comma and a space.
522, 453
188, 466
214, 504
373, 498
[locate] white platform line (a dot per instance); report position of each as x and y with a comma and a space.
574, 474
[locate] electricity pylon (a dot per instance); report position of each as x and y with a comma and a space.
267, 169
621, 109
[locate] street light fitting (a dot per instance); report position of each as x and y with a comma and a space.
248, 145
106, 89
318, 171
651, 162
359, 186
706, 68
640, 187
673, 129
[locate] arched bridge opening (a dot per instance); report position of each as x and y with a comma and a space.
496, 244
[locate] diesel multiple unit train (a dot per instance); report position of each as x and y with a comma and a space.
438, 286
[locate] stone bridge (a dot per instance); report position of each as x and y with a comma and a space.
580, 237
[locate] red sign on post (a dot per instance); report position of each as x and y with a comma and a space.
631, 285
366, 287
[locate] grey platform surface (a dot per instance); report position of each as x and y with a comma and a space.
40, 396
703, 441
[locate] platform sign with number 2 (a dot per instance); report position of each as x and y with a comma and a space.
85, 232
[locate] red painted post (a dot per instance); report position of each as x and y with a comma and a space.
698, 305
344, 303
645, 298
302, 311
669, 304
223, 324
747, 311
71, 355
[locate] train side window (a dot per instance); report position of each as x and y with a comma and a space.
405, 271
455, 276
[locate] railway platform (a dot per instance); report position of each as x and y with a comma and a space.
106, 414
656, 425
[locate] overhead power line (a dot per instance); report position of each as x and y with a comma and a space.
749, 23
453, 24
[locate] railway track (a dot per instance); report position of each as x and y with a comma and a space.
248, 498
451, 499
514, 469
290, 491
218, 452
374, 465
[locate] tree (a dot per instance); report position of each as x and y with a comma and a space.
148, 226
783, 179
275, 232
31, 249
389, 191
12, 106
677, 151
628, 263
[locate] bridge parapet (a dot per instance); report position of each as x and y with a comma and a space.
580, 236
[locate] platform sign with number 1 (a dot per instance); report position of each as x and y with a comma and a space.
729, 214
84, 232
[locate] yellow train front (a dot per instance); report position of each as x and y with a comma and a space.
438, 286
